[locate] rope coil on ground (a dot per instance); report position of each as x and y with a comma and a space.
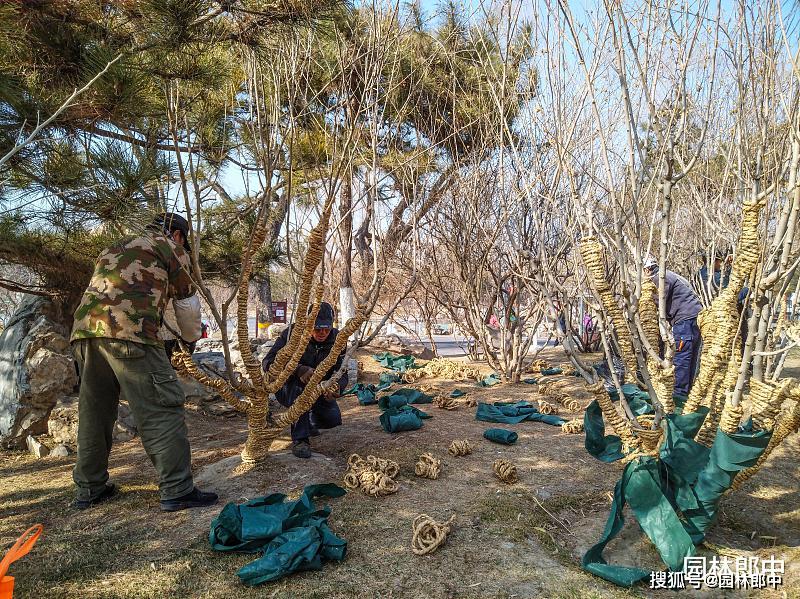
545, 407
446, 403
373, 476
573, 427
443, 368
428, 534
460, 448
505, 471
570, 403
428, 466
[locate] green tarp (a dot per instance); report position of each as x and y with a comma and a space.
514, 413
550, 371
396, 363
456, 393
688, 479
290, 535
490, 381
366, 393
500, 435
403, 396
530, 381
388, 378
405, 418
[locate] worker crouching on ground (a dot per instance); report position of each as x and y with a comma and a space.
683, 306
116, 344
325, 412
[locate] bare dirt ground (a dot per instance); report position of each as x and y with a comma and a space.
521, 540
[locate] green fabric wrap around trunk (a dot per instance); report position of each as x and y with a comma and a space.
366, 394
396, 363
403, 396
514, 413
687, 479
291, 535
405, 418
500, 435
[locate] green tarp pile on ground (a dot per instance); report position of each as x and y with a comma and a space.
675, 498
387, 378
404, 418
490, 381
403, 396
366, 394
456, 393
396, 363
500, 435
507, 412
291, 536
550, 371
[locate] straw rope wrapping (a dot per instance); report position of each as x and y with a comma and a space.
573, 427
505, 471
592, 254
788, 423
428, 466
545, 407
427, 534
621, 427
460, 448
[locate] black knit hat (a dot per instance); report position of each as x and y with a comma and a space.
324, 316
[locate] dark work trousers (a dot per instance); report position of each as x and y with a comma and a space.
323, 414
687, 353
143, 376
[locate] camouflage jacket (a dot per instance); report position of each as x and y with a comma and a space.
132, 282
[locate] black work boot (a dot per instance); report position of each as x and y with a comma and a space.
302, 449
107, 493
194, 499
313, 431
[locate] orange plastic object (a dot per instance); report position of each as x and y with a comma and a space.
20, 549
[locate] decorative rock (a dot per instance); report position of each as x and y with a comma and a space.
60, 451
37, 448
36, 371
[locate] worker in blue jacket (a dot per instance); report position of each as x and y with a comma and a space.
683, 306
325, 412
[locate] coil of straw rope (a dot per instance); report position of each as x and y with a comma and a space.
573, 427
766, 398
651, 437
460, 448
536, 366
505, 471
545, 407
570, 403
446, 403
470, 402
372, 476
428, 466
443, 368
428, 534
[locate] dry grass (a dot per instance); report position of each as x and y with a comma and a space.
522, 540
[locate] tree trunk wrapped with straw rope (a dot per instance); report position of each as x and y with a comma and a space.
592, 255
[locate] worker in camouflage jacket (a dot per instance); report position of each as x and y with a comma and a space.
115, 340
